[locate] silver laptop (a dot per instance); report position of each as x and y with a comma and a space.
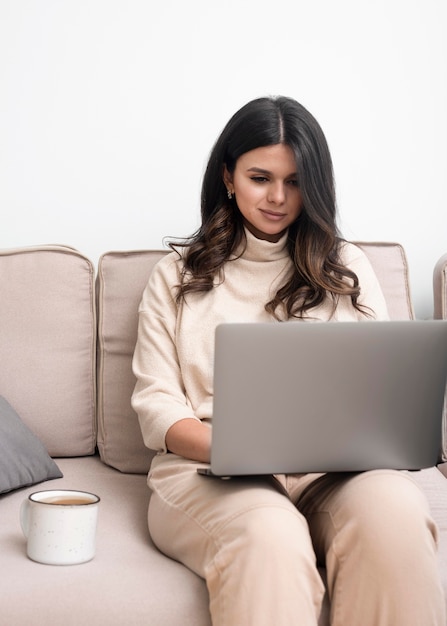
323, 397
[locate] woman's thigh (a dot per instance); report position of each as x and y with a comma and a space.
380, 504
375, 535
191, 516
244, 536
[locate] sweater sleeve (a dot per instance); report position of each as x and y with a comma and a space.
159, 397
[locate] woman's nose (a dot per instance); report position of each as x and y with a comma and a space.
277, 194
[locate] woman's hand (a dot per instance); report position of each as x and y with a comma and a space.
191, 439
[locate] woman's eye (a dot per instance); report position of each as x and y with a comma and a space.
293, 182
259, 179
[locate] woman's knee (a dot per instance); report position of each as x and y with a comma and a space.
377, 508
390, 501
385, 514
267, 552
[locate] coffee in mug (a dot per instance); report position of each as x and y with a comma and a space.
66, 500
60, 526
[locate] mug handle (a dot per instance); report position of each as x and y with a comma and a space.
24, 517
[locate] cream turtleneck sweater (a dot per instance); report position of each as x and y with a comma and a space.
173, 360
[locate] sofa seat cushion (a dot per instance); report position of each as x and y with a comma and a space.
128, 582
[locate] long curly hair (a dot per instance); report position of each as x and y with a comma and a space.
313, 239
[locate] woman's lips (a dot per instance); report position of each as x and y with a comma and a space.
271, 215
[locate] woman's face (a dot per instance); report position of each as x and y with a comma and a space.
264, 183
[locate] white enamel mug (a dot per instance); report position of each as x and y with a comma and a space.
60, 526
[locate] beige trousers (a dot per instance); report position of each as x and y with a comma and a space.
257, 543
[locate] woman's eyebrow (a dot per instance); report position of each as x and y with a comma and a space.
260, 170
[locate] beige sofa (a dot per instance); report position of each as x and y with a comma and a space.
66, 342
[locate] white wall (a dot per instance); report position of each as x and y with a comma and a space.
108, 109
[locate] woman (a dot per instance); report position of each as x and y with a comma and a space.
268, 249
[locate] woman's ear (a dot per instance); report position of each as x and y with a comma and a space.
228, 179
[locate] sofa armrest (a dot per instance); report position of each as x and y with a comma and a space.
440, 288
440, 312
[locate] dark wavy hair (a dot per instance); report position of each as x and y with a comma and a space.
313, 239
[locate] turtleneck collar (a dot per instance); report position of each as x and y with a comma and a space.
263, 250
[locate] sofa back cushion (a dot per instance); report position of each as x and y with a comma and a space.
122, 277
48, 345
391, 267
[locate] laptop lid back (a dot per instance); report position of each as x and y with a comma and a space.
320, 397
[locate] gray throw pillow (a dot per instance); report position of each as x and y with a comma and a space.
24, 460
